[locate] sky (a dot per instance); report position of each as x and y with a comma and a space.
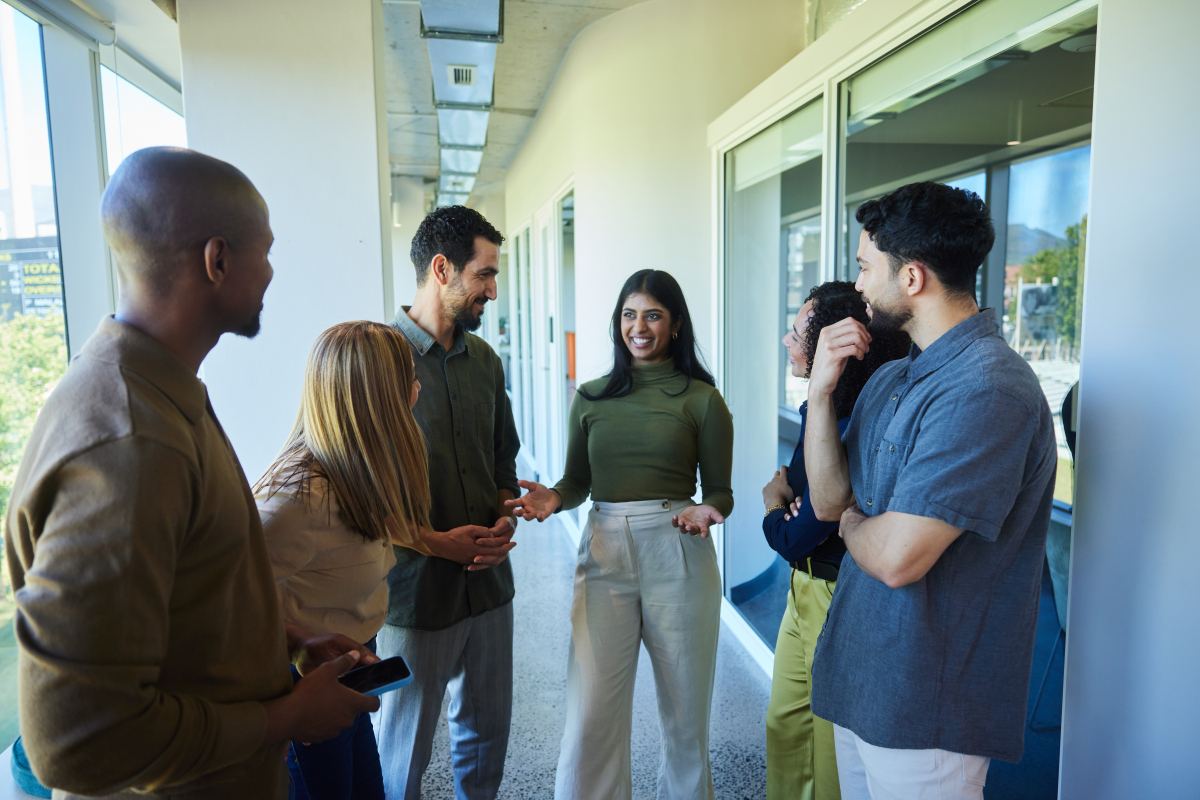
29, 64
1050, 193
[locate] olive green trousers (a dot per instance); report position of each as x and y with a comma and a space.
801, 760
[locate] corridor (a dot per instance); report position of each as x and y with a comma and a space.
543, 565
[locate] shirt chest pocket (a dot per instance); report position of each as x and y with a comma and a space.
889, 459
484, 422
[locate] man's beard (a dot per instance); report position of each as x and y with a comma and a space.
887, 321
463, 307
464, 317
250, 328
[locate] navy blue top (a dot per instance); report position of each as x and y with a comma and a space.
960, 433
804, 535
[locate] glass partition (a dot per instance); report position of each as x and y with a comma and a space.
1043, 275
133, 120
997, 100
33, 346
773, 248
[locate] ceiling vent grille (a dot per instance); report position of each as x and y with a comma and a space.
461, 74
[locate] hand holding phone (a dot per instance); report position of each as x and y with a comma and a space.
376, 679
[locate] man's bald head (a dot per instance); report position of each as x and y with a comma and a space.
163, 205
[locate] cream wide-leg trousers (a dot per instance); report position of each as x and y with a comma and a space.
639, 580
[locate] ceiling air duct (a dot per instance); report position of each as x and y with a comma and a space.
462, 36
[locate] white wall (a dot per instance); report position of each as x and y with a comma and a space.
626, 120
409, 193
287, 92
1132, 697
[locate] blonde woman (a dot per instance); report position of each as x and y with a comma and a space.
351, 480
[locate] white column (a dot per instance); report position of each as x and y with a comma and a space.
408, 209
291, 93
1133, 640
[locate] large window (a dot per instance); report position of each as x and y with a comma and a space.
773, 250
1043, 275
997, 100
133, 120
33, 349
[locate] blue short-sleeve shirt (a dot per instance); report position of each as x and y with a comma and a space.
962, 433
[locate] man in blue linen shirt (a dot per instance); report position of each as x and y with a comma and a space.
943, 487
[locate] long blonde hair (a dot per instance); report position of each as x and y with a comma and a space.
356, 430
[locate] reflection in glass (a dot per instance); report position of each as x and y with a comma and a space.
773, 259
998, 101
133, 120
991, 84
33, 347
1046, 232
803, 272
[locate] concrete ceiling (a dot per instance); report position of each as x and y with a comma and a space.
537, 34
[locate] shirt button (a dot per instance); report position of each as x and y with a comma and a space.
666, 504
876, 449
458, 433
892, 449
869, 503
464, 471
895, 396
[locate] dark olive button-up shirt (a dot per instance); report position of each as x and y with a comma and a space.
472, 442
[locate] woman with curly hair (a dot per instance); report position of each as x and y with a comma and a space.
800, 751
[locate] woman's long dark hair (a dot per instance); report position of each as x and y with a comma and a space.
833, 302
665, 290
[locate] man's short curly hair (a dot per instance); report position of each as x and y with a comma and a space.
450, 231
947, 229
832, 302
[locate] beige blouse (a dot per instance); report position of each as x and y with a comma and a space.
329, 578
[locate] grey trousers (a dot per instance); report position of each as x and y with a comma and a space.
473, 659
639, 580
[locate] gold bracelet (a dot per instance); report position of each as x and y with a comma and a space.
775, 508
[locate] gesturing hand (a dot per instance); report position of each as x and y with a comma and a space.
838, 342
697, 520
538, 502
778, 491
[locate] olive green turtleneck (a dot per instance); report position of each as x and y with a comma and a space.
647, 445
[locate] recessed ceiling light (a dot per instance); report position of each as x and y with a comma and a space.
1080, 44
1012, 143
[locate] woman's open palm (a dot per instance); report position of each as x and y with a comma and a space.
538, 502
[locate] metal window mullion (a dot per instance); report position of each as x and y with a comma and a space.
80, 171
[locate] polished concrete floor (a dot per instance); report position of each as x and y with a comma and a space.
544, 565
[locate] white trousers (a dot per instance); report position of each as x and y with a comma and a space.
867, 772
639, 580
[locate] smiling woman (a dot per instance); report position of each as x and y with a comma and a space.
635, 441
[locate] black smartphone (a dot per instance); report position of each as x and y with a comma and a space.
375, 679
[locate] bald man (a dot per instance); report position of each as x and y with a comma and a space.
152, 657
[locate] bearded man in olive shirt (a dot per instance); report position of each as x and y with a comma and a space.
450, 613
152, 657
